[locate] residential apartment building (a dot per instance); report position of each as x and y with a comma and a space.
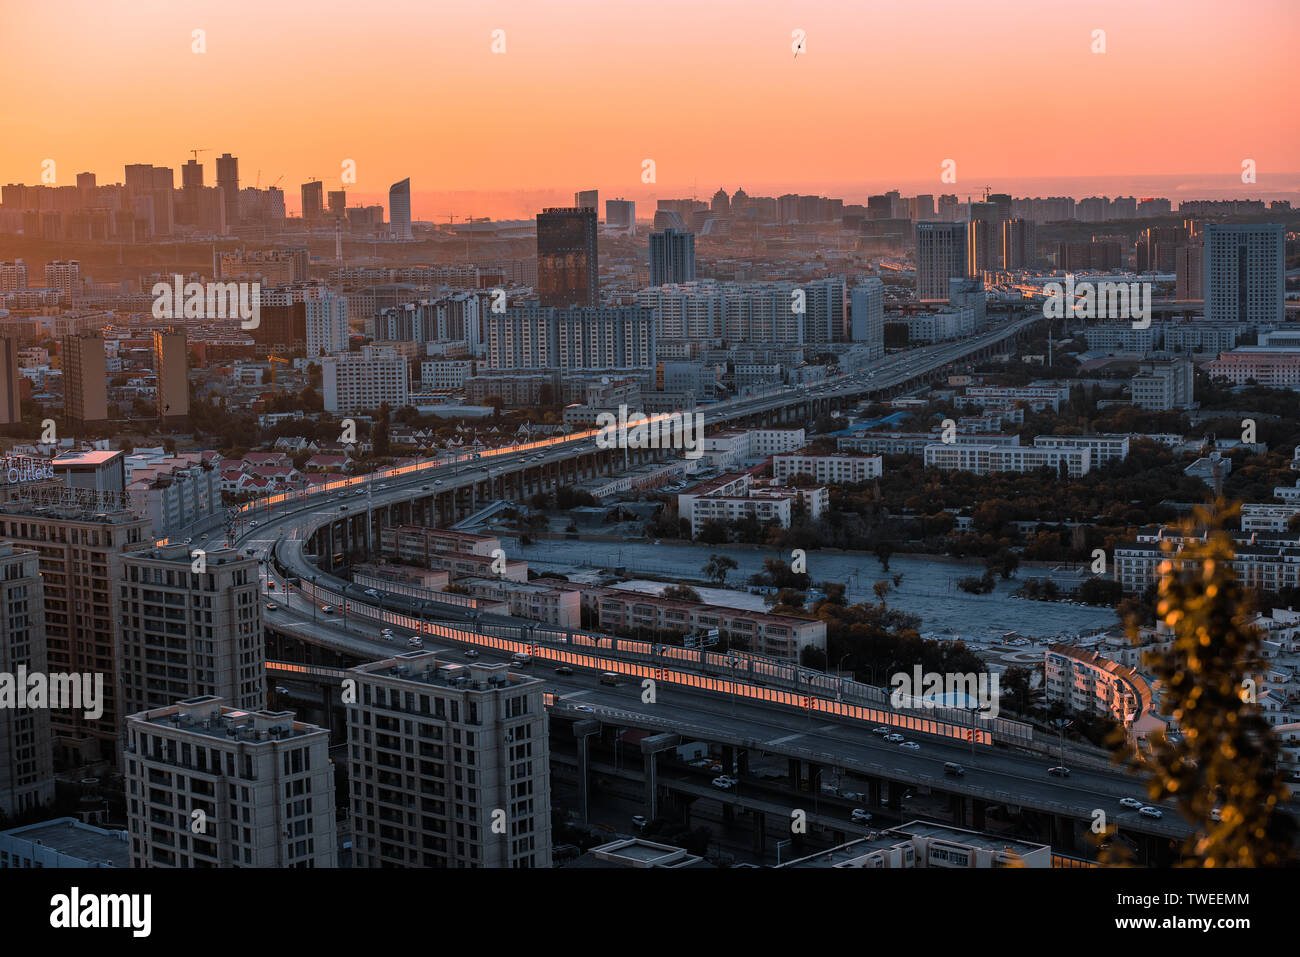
631, 612
1086, 683
26, 742
191, 627
82, 538
982, 459
533, 337
828, 469
208, 785
450, 765
363, 381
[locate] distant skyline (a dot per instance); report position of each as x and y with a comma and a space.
586, 91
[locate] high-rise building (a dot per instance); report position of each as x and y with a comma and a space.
1189, 272
672, 257
26, 742
171, 357
568, 271
191, 626
85, 380
326, 324
209, 785
11, 396
941, 254
867, 315
450, 765
81, 537
826, 312
338, 202
313, 201
192, 175
399, 209
1245, 273
620, 213
228, 183
587, 199
283, 326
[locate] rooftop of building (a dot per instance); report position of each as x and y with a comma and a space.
436, 669
84, 842
85, 458
206, 715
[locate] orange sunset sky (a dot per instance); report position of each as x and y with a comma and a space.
711, 91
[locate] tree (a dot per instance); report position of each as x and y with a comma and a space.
881, 589
680, 593
716, 568
883, 551
1224, 750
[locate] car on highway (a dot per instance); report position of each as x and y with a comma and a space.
880, 730
1130, 802
252, 524
328, 609
860, 816
955, 769
373, 593
564, 670
910, 745
424, 488
894, 738
1059, 771
1149, 811
584, 708
724, 782
385, 631
852, 795
343, 508
415, 641
271, 606
384, 486
471, 653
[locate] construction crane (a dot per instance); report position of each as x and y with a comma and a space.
273, 359
198, 151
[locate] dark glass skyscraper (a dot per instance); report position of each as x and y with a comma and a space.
672, 257
567, 267
399, 209
228, 181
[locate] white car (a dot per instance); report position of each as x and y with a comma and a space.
910, 745
724, 782
1150, 811
585, 708
415, 642
1130, 802
881, 730
895, 738
860, 816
